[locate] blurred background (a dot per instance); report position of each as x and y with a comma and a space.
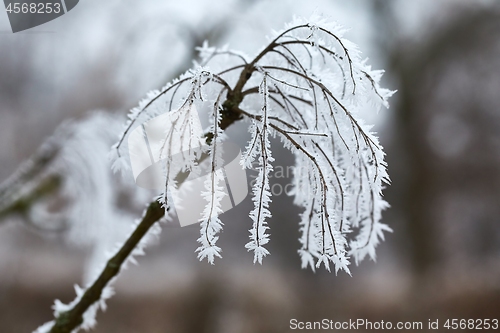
441, 136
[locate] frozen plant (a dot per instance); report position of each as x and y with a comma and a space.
306, 87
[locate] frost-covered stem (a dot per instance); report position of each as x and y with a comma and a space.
27, 172
214, 168
301, 114
68, 321
177, 84
324, 186
22, 204
33, 173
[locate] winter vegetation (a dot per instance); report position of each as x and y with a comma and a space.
67, 217
306, 87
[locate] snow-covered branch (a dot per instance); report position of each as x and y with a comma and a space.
307, 87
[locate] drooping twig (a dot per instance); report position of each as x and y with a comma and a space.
294, 99
68, 321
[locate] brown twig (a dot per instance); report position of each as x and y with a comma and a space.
66, 322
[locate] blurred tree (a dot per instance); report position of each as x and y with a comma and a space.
447, 149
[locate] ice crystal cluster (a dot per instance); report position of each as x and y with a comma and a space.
306, 87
